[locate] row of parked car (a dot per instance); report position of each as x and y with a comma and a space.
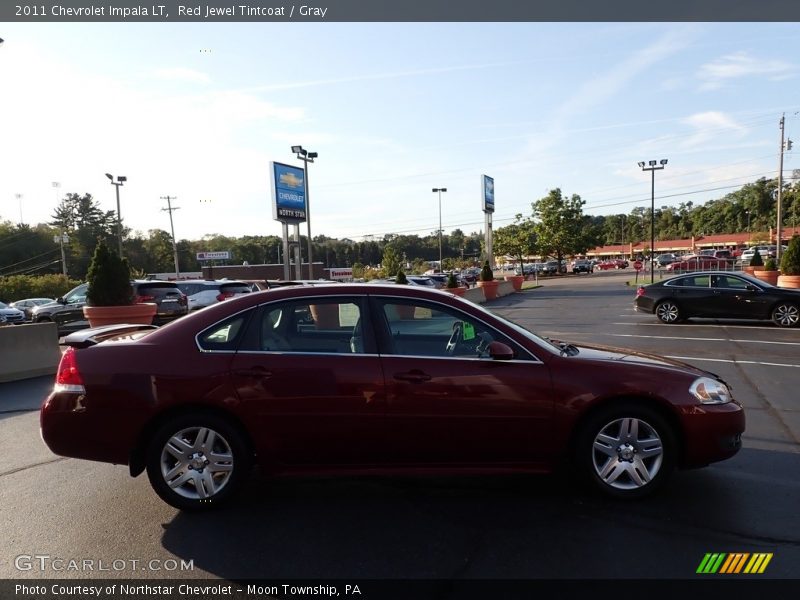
173, 299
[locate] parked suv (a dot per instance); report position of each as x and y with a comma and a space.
67, 312
204, 292
582, 265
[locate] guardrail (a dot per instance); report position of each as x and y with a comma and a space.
28, 350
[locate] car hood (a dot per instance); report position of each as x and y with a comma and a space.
611, 354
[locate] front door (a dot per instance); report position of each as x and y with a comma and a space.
447, 402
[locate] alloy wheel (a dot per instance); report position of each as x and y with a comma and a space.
786, 315
627, 454
668, 312
196, 463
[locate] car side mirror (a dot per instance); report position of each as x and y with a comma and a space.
61, 300
499, 351
752, 288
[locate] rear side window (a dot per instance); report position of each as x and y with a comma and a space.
225, 335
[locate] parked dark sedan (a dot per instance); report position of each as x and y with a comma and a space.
67, 312
720, 295
368, 378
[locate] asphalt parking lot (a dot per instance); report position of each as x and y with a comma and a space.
447, 528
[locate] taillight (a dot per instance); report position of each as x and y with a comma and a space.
139, 299
68, 379
183, 300
640, 291
224, 295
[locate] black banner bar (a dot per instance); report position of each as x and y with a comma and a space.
400, 10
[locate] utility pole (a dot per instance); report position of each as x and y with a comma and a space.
780, 203
785, 145
169, 209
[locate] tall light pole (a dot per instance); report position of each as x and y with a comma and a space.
121, 179
307, 157
653, 168
170, 208
440, 190
19, 200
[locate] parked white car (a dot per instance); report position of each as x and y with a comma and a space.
203, 292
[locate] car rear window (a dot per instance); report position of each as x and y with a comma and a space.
234, 288
156, 289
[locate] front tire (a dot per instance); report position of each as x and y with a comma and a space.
627, 451
668, 312
197, 461
786, 314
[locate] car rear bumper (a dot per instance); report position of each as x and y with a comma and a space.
71, 426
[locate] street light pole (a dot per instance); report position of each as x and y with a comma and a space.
307, 157
440, 190
172, 229
653, 168
121, 179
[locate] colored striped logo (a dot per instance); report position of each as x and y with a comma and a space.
734, 563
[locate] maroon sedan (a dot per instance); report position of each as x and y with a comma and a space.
700, 263
366, 378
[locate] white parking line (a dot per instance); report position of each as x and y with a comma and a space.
700, 339
737, 362
767, 328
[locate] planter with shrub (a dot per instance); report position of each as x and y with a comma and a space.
769, 273
453, 287
487, 282
790, 264
109, 297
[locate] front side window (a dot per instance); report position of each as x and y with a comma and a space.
77, 295
730, 283
418, 328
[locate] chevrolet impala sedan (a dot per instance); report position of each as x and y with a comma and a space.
375, 378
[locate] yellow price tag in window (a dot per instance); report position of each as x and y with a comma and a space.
469, 331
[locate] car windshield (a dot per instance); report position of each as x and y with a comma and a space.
543, 342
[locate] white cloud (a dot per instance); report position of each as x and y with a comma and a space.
182, 74
741, 64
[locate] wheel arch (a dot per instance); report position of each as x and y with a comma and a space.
138, 456
778, 302
659, 406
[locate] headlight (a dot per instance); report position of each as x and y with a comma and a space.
710, 391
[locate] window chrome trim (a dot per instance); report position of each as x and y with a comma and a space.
286, 352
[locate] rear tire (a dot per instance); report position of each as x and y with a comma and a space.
197, 461
786, 314
626, 451
668, 312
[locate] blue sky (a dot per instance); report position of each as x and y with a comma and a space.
198, 111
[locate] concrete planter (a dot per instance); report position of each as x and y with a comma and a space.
489, 288
137, 314
770, 277
517, 280
458, 291
789, 281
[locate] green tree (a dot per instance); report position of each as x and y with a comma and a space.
561, 227
391, 262
517, 240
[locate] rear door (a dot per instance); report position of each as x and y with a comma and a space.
311, 380
694, 295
